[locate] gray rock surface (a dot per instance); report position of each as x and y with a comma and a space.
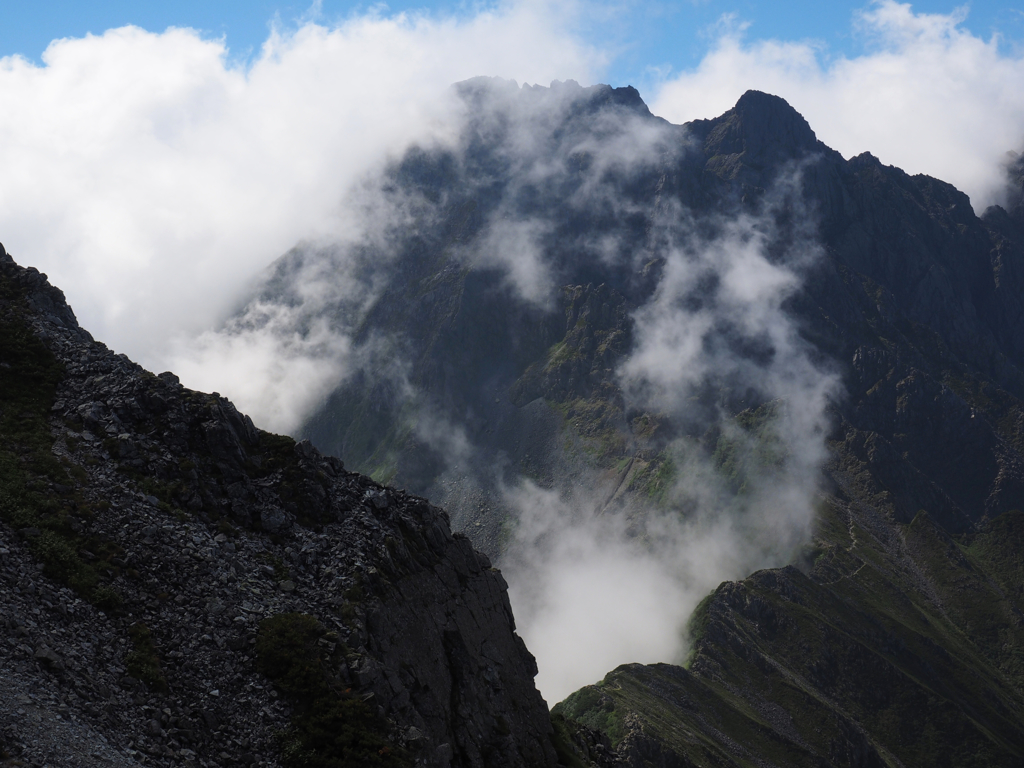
215, 526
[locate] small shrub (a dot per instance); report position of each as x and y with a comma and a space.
106, 598
331, 729
143, 661
286, 648
61, 560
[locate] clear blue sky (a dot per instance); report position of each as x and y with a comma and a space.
640, 35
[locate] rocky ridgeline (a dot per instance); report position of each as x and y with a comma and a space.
202, 527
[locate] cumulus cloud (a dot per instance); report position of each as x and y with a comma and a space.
152, 178
927, 95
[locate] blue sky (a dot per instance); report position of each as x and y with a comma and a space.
643, 40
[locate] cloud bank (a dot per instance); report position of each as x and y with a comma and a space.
927, 96
153, 179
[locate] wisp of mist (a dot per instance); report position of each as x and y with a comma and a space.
593, 588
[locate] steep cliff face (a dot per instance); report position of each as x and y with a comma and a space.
181, 587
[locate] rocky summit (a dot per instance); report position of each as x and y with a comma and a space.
182, 588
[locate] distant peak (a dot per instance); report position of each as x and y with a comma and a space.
766, 120
481, 90
762, 130
759, 100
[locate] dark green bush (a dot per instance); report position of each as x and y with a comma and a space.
287, 650
331, 728
143, 661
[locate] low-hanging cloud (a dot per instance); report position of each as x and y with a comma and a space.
153, 179
928, 96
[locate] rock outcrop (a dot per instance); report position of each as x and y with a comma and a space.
148, 533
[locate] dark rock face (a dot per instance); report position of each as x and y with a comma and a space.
203, 526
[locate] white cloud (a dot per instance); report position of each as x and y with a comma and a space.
928, 96
152, 179
274, 369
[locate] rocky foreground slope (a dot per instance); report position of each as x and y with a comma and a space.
178, 587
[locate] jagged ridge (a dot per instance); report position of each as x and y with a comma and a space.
203, 528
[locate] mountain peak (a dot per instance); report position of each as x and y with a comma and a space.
762, 130
480, 91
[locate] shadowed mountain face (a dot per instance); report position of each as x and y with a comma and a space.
529, 251
721, 317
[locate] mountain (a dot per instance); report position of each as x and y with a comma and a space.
910, 286
893, 637
722, 339
182, 588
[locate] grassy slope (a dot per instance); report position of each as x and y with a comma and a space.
905, 645
38, 494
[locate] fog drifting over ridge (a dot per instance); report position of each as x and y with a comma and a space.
594, 588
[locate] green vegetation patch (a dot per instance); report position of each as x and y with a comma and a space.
599, 422
144, 661
754, 450
655, 478
37, 496
561, 739
332, 727
594, 708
